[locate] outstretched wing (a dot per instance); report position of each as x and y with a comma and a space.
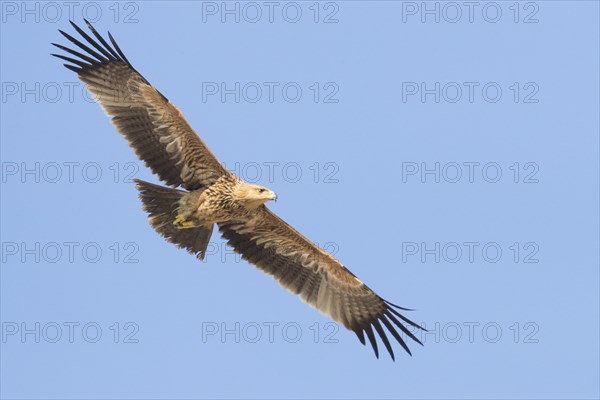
154, 127
319, 279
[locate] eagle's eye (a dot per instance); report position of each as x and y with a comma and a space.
261, 190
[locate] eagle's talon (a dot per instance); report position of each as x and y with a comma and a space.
182, 223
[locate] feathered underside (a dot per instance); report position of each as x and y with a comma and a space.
160, 136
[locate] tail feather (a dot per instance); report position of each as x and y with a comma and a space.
162, 203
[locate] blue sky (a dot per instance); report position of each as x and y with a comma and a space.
447, 154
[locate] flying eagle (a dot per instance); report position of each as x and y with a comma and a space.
163, 139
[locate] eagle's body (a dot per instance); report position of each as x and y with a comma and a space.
228, 199
161, 137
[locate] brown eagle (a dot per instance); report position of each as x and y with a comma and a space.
162, 138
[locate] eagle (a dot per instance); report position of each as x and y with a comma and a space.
162, 138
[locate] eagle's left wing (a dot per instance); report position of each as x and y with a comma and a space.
154, 127
318, 278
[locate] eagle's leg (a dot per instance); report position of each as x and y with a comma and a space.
172, 215
187, 211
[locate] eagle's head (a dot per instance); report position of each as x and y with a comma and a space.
253, 196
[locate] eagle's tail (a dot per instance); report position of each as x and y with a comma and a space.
162, 203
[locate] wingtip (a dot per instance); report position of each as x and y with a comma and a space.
361, 336
384, 338
398, 307
90, 26
73, 24
72, 68
371, 336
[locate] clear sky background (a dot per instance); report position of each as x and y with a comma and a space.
452, 165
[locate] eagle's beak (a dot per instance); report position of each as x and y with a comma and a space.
273, 196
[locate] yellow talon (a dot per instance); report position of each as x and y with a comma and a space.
181, 222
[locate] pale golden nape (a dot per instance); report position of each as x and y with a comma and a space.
253, 196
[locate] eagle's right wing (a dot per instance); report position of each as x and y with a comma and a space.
154, 127
320, 280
